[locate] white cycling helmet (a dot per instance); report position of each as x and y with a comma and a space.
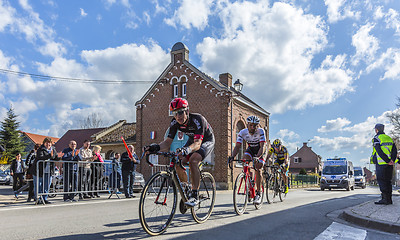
253, 119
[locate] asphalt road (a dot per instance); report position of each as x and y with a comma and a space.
305, 214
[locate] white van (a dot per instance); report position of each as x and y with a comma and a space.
359, 177
337, 173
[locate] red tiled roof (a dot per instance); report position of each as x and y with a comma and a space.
78, 135
36, 138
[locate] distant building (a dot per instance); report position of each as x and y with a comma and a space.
110, 141
78, 135
369, 176
307, 159
30, 139
108, 138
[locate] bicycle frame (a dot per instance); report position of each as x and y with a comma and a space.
248, 179
161, 190
171, 170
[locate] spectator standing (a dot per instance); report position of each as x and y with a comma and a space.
86, 156
128, 171
29, 173
116, 174
70, 177
17, 170
97, 170
44, 154
384, 157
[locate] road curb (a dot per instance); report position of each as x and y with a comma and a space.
380, 225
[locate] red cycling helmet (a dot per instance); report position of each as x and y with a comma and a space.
178, 103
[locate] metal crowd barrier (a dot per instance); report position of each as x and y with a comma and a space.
72, 178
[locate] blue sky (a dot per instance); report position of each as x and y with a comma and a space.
327, 71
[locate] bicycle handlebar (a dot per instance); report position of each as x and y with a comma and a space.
165, 154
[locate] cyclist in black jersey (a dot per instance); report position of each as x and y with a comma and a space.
199, 146
282, 159
255, 138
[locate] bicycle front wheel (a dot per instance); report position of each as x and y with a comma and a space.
158, 203
240, 194
206, 193
270, 189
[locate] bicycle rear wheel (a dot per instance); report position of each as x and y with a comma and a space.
240, 194
282, 194
206, 193
158, 203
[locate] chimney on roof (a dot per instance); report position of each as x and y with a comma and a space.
226, 79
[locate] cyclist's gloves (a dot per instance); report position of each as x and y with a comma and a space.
153, 148
185, 151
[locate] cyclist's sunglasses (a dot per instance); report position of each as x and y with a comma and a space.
178, 113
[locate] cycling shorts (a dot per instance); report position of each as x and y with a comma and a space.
283, 165
205, 149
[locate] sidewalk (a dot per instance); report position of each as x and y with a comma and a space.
380, 217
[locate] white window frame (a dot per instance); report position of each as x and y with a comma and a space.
183, 89
176, 90
296, 159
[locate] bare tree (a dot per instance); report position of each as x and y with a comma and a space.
92, 121
394, 118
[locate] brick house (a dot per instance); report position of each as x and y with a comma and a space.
307, 159
224, 108
78, 135
108, 138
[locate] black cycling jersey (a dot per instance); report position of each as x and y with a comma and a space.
197, 127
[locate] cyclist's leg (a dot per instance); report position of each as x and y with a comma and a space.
182, 172
258, 165
194, 162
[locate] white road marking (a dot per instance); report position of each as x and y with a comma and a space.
341, 231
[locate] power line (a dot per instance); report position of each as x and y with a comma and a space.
81, 80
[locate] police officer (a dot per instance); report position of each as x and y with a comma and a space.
384, 156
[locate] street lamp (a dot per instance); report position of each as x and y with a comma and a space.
238, 85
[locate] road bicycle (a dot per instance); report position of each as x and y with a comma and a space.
244, 188
274, 183
158, 201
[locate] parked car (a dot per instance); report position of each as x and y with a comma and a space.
139, 183
5, 177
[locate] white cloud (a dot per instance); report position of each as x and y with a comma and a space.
389, 61
360, 135
191, 13
83, 13
287, 134
378, 14
271, 51
339, 9
334, 125
6, 15
74, 101
366, 45
32, 27
392, 20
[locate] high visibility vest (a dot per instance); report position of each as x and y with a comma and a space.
386, 144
